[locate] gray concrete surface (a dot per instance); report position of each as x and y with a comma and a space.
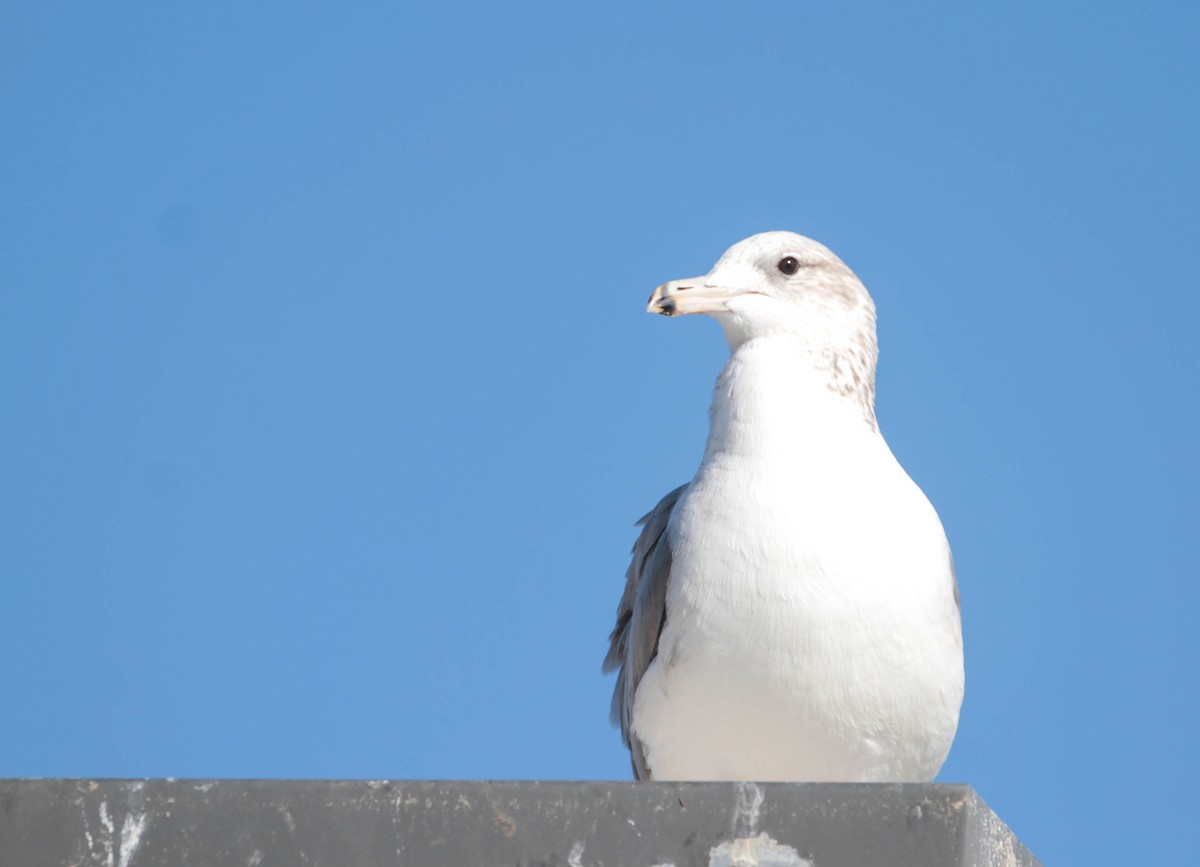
263, 823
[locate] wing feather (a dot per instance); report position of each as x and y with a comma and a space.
641, 615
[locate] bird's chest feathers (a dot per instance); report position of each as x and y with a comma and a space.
786, 534
799, 518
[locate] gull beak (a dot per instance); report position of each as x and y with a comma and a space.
680, 297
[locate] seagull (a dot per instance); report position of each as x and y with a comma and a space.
792, 612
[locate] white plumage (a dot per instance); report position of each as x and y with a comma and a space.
792, 612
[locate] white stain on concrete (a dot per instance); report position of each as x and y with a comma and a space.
108, 845
575, 858
87, 832
105, 819
746, 809
749, 847
131, 837
760, 851
106, 837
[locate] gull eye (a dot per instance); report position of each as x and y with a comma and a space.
788, 265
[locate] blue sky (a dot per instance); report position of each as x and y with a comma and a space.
329, 397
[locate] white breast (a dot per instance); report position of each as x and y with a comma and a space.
811, 631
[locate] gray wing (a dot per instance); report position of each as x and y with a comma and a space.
633, 644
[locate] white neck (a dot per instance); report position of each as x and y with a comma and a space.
776, 393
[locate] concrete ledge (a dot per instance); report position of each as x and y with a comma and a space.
263, 823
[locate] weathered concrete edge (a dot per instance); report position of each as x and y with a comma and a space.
160, 821
992, 841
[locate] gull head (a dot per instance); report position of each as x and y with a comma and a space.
777, 283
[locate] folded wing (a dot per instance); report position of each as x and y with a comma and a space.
633, 644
